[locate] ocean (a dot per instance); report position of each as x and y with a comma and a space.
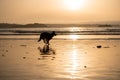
64, 32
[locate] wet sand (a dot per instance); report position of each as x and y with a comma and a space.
64, 60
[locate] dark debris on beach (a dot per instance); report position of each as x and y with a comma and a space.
100, 46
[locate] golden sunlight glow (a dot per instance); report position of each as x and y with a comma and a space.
74, 4
74, 62
74, 37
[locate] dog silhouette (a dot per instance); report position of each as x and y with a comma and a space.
46, 37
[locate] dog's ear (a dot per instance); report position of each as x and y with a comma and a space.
54, 33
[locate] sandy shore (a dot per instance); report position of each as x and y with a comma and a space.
64, 60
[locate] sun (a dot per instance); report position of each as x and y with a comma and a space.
74, 4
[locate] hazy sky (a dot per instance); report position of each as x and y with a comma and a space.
59, 11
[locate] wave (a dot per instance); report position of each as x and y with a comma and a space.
27, 32
78, 30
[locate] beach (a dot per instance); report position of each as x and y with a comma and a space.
59, 39
24, 59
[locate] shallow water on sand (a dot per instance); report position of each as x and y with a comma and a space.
64, 60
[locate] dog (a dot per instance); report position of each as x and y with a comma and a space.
46, 37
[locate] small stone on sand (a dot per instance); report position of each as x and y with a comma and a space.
53, 57
85, 66
99, 46
6, 50
24, 57
3, 55
27, 52
106, 47
39, 58
23, 45
114, 45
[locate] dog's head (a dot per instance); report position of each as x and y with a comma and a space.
53, 33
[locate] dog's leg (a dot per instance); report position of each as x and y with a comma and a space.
48, 42
45, 41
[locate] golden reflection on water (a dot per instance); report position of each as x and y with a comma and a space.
74, 37
74, 63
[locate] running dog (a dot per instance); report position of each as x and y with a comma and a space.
46, 37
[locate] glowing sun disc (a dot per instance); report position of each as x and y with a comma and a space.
74, 4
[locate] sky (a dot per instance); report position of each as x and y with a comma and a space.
59, 11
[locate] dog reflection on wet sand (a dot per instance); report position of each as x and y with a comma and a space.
46, 50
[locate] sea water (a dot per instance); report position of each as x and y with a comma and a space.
82, 32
